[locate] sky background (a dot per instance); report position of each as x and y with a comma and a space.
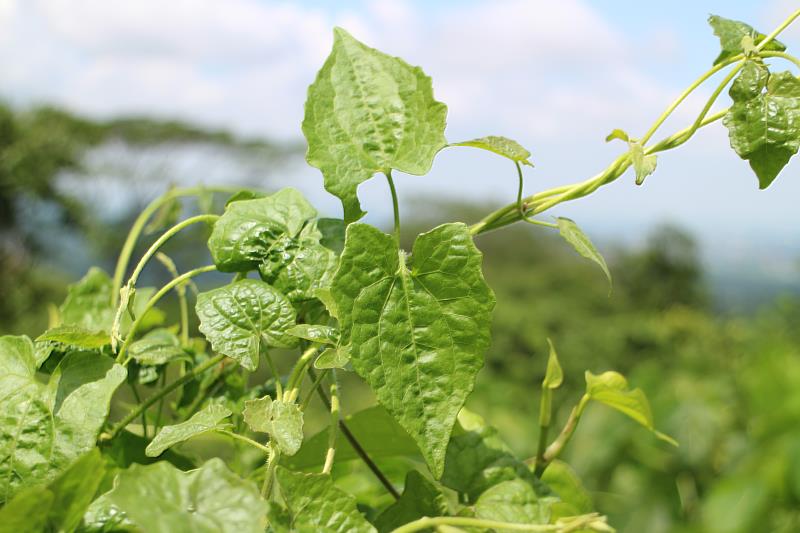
556, 76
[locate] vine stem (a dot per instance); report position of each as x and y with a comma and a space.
167, 235
139, 224
783, 55
272, 461
244, 439
196, 371
555, 449
572, 524
296, 376
330, 454
777, 31
395, 205
360, 451
153, 301
180, 290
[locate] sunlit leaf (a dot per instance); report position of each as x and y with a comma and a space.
502, 146
203, 421
731, 33
368, 112
315, 333
554, 375
417, 332
158, 347
571, 233
282, 421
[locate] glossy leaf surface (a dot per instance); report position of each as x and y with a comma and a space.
731, 33
417, 332
368, 112
503, 146
201, 422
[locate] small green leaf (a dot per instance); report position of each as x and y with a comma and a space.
375, 429
643, 165
315, 504
315, 333
333, 358
368, 112
563, 480
571, 233
282, 421
417, 332
159, 498
764, 126
70, 336
158, 347
554, 375
201, 422
502, 146
420, 498
513, 501
611, 388
731, 34
618, 134
238, 318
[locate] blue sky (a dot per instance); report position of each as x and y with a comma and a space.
556, 76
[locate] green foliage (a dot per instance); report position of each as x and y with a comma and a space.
161, 498
415, 326
417, 331
368, 112
238, 319
208, 419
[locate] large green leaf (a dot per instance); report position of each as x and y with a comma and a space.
239, 318
420, 498
368, 112
44, 428
160, 498
315, 504
24, 513
478, 459
417, 332
764, 126
501, 146
278, 236
375, 429
77, 337
74, 490
208, 419
731, 33
282, 421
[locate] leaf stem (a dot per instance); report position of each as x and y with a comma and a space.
563, 438
293, 384
316, 382
153, 301
139, 400
395, 205
167, 235
244, 439
180, 291
272, 461
360, 451
783, 25
326, 469
564, 525
783, 55
139, 224
275, 375
196, 371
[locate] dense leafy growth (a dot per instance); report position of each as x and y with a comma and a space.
413, 325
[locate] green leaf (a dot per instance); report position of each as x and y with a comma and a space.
731, 34
643, 165
332, 230
315, 504
368, 112
208, 419
618, 134
575, 499
417, 332
315, 333
74, 490
24, 513
158, 347
764, 126
44, 428
571, 233
478, 459
373, 428
71, 336
159, 498
277, 236
502, 146
513, 501
333, 358
611, 388
554, 375
282, 421
244, 194
238, 318
420, 498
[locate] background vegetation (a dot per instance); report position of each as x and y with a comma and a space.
722, 383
